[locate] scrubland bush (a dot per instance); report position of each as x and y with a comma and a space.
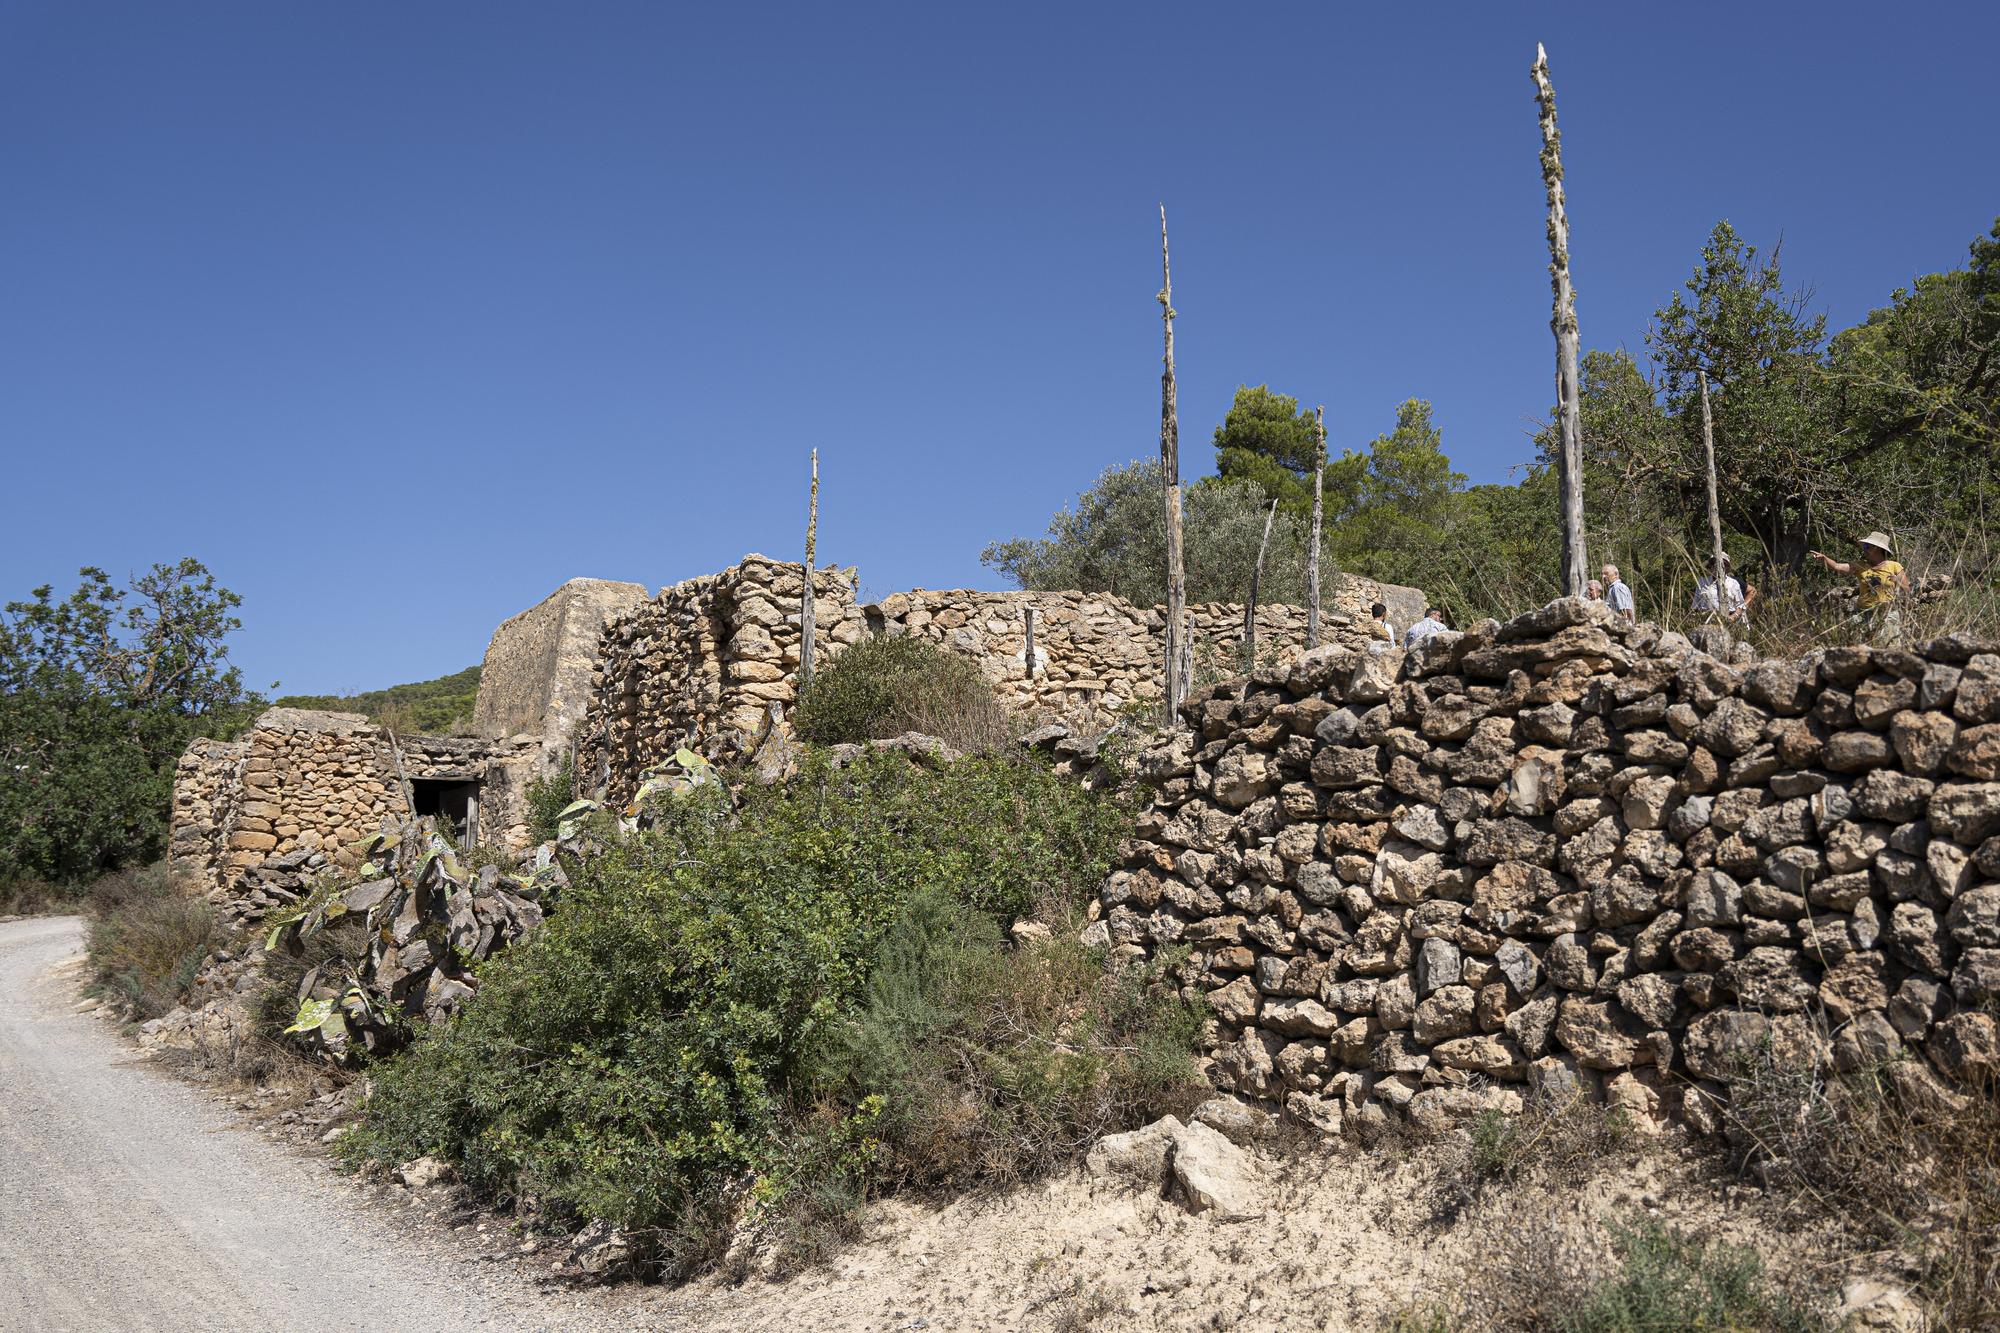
810, 999
148, 937
1902, 1170
548, 797
885, 686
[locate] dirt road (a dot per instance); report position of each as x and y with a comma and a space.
131, 1201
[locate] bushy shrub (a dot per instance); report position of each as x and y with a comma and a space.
885, 686
791, 996
148, 938
548, 797
1669, 1279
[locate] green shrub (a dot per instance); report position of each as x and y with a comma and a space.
1667, 1279
548, 797
885, 686
148, 938
792, 995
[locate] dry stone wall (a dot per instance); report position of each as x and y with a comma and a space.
711, 657
208, 781
301, 787
1564, 854
704, 659
536, 675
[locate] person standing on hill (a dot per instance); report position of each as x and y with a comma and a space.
1881, 584
1731, 605
1616, 595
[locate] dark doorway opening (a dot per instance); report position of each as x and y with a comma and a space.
449, 798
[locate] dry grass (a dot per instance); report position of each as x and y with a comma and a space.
1555, 1143
1921, 1184
148, 938
30, 896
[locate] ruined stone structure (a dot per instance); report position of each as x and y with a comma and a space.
600, 672
711, 656
1567, 854
536, 677
302, 787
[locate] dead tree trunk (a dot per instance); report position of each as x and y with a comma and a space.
1312, 552
1170, 468
1256, 581
1028, 629
808, 614
1569, 458
1714, 506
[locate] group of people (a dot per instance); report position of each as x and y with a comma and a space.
1382, 634
1880, 579
1880, 585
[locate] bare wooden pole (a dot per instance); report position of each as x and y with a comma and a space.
808, 630
1714, 506
1028, 625
1569, 457
1256, 582
1312, 552
1170, 467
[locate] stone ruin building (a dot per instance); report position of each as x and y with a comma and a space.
602, 674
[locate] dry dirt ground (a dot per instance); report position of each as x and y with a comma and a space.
133, 1200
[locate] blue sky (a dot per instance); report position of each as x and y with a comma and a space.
398, 315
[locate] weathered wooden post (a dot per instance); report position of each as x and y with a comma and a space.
1028, 623
1170, 467
1714, 506
1569, 456
808, 630
1256, 580
1312, 552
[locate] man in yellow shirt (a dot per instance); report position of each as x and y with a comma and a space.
1882, 583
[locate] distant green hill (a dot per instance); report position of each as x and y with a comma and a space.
438, 707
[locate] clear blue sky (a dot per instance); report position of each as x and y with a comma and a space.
398, 315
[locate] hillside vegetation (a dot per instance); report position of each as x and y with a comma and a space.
440, 707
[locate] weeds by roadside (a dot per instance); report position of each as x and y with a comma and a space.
148, 938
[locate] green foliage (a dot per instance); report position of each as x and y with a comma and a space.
148, 937
99, 694
722, 998
1115, 540
1667, 1279
1891, 424
430, 707
884, 686
997, 1063
548, 797
1268, 441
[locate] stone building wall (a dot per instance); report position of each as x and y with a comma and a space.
712, 656
302, 786
208, 781
705, 658
1564, 854
536, 675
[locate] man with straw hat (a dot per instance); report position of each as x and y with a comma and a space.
1881, 581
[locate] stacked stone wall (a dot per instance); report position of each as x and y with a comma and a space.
711, 657
704, 659
208, 781
302, 787
536, 676
1564, 854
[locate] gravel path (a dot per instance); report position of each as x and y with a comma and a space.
132, 1201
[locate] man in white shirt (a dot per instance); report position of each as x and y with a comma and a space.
1616, 595
1432, 623
1729, 606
